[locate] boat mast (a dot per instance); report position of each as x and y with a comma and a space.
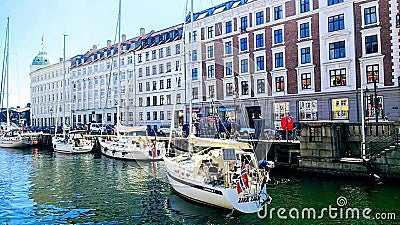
119, 61
190, 83
64, 83
7, 69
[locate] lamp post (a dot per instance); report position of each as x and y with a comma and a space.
51, 117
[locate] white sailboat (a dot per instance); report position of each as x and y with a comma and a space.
11, 137
71, 142
220, 173
125, 146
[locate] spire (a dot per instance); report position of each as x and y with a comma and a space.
42, 42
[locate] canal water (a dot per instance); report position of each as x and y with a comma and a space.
41, 187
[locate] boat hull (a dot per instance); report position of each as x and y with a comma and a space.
13, 144
63, 147
129, 152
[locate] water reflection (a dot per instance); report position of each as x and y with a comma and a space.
38, 186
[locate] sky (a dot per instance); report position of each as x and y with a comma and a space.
86, 22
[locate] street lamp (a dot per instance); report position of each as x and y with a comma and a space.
51, 116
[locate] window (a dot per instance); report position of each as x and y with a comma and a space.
210, 51
259, 18
229, 89
228, 68
168, 99
340, 108
195, 93
370, 106
161, 68
168, 51
168, 67
243, 44
139, 57
178, 98
315, 134
194, 36
140, 87
332, 2
141, 116
148, 116
177, 49
305, 55
338, 77
371, 44
243, 23
147, 86
154, 70
147, 70
153, 54
228, 47
154, 100
169, 115
370, 15
281, 109
194, 55
372, 73
179, 82
308, 110
278, 13
337, 50
176, 65
140, 101
168, 83
304, 6
278, 59
228, 27
278, 36
154, 85
210, 71
245, 87
140, 71
260, 86
336, 23
154, 115
259, 40
210, 32
280, 83
147, 56
304, 30
211, 91
161, 84
244, 65
161, 99
305, 81
162, 117
147, 101
260, 63
195, 74
160, 53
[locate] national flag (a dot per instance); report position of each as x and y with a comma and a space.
243, 182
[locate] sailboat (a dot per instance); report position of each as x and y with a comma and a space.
11, 137
215, 172
126, 145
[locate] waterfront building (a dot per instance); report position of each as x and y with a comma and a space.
243, 60
160, 90
46, 89
303, 58
95, 86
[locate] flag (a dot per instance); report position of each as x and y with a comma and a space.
243, 182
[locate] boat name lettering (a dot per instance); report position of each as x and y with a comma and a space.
249, 199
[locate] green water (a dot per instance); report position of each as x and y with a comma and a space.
42, 187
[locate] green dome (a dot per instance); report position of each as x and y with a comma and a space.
41, 59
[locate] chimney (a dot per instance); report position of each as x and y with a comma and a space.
108, 43
142, 32
123, 38
94, 47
